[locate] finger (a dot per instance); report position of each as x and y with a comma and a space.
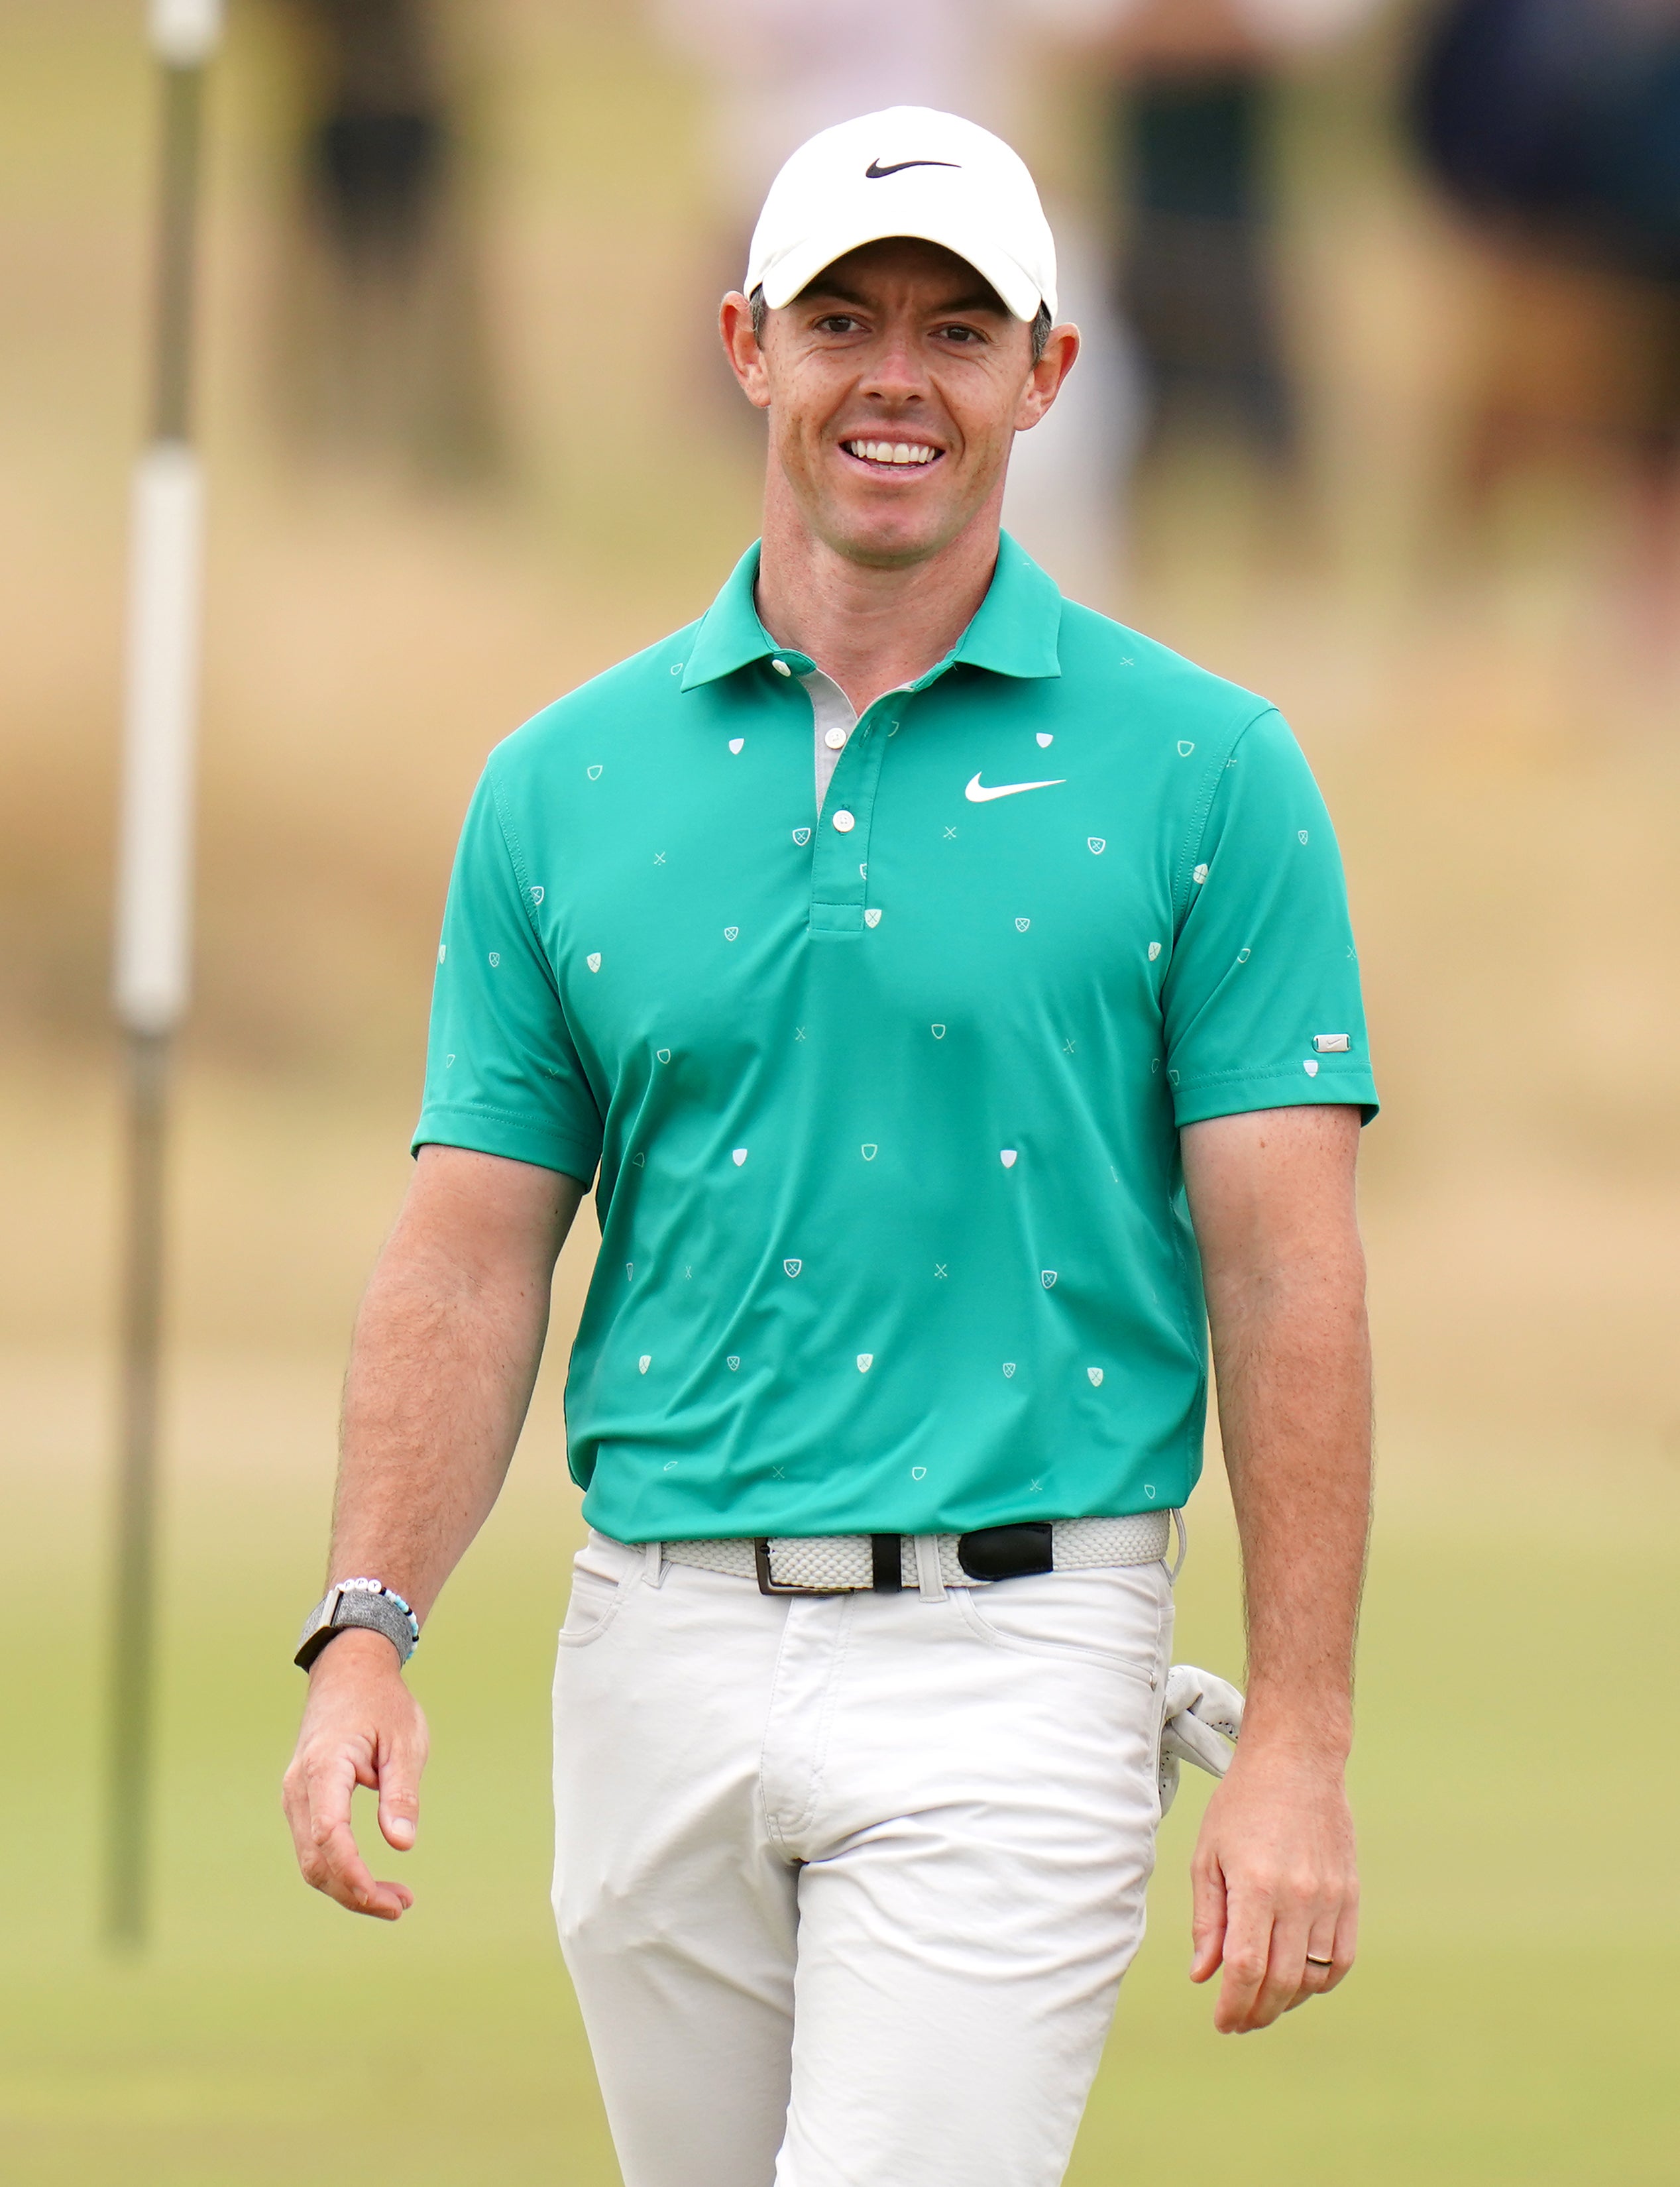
1342, 1933
1318, 1979
327, 1848
1346, 1948
1248, 1951
338, 1870
333, 1863
328, 1853
1290, 1978
308, 1799
1286, 1967
399, 1792
1207, 1919
1318, 1962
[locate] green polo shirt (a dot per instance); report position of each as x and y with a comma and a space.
885, 1100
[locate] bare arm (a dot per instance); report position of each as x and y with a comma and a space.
1275, 1879
444, 1354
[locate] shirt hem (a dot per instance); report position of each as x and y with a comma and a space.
1237, 1093
490, 1131
722, 1530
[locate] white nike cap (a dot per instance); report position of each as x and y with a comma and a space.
909, 171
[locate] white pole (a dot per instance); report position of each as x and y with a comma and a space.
154, 904
155, 877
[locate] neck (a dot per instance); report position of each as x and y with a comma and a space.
870, 629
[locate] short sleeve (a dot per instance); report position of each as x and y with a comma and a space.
502, 1073
1261, 1000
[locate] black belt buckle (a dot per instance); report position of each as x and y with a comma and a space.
1007, 1552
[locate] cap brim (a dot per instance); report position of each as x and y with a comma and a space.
783, 280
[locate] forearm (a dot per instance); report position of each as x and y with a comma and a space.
1272, 1197
1293, 1364
445, 1351
439, 1377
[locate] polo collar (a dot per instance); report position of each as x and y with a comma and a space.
730, 634
1018, 623
1014, 632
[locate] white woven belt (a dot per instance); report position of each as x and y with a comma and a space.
839, 1564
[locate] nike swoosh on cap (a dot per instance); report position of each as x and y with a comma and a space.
874, 172
976, 795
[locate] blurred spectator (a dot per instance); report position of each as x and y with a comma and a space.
381, 301
1193, 108
1556, 126
781, 70
1561, 118
378, 154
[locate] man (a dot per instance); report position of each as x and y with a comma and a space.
906, 943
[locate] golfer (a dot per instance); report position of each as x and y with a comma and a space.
951, 995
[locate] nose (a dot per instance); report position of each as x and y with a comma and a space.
895, 374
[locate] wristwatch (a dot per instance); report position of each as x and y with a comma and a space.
368, 1603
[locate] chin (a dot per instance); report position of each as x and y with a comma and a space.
889, 536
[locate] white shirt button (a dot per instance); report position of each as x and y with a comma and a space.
835, 738
781, 668
846, 822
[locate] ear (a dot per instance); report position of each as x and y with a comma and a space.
740, 347
1044, 383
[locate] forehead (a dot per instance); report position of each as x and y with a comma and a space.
902, 264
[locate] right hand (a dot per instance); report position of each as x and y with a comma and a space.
361, 1726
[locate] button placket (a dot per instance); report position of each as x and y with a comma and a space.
841, 852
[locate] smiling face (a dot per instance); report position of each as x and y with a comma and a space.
895, 385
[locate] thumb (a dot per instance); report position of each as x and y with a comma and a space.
400, 1795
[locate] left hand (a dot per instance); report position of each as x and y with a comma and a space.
1275, 1878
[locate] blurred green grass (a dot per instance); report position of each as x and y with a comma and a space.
1508, 2022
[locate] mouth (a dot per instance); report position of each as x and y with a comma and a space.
899, 457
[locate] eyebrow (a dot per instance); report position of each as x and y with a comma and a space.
977, 299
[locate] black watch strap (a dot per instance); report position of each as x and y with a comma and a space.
366, 1603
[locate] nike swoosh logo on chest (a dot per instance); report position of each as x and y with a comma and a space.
977, 793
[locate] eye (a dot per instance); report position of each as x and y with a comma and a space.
966, 337
836, 322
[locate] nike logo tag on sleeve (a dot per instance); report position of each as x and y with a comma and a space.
876, 174
978, 795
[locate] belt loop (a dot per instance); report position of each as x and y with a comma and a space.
929, 1576
1183, 1545
654, 1568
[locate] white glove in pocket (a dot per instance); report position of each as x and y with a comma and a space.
1202, 1714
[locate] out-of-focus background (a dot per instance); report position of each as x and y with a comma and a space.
1381, 416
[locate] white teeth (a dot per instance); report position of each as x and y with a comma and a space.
891, 451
